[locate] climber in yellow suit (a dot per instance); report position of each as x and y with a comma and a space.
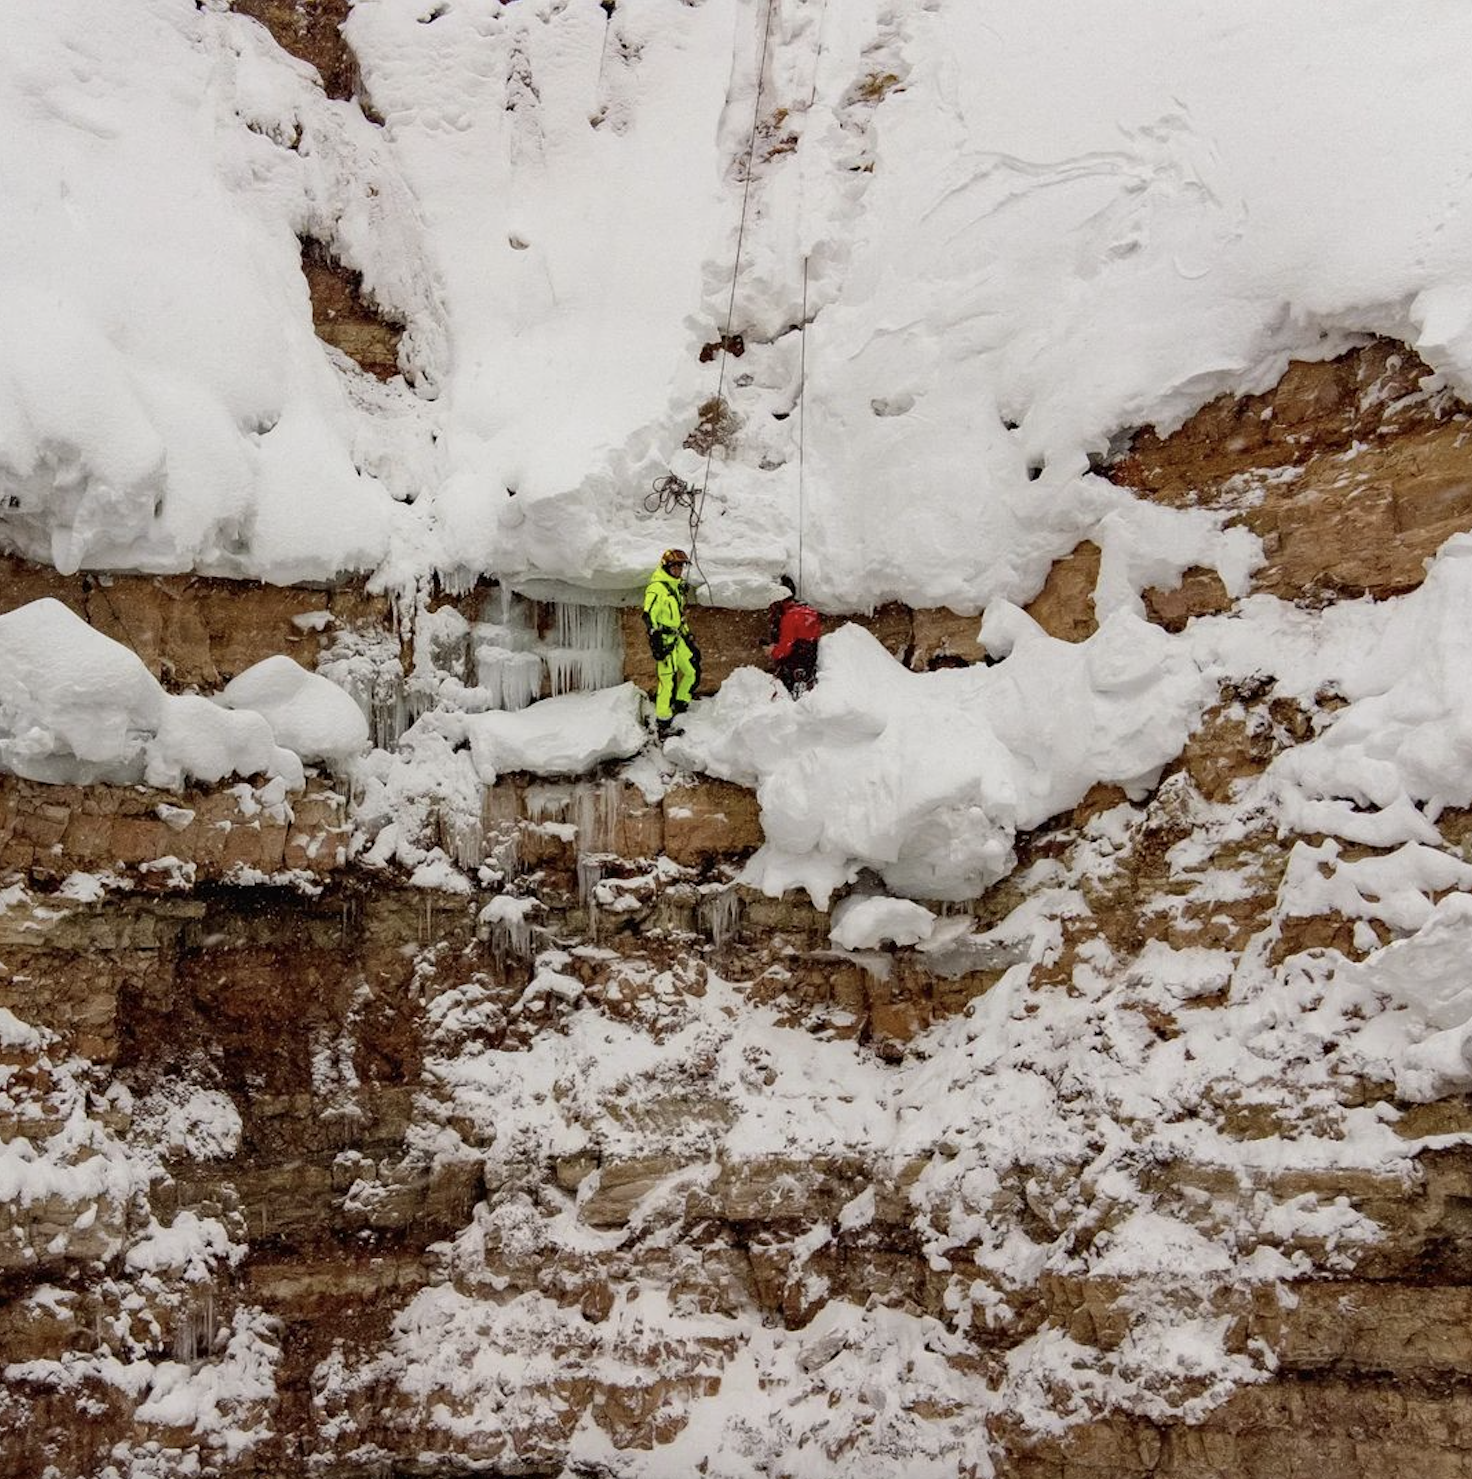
676, 657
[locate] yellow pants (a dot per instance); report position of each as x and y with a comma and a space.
676, 675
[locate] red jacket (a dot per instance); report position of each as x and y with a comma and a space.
799, 623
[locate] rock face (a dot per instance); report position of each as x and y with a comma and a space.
199, 632
50, 832
602, 1163
344, 318
298, 1070
1353, 472
310, 30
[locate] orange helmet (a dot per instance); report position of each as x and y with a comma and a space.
672, 557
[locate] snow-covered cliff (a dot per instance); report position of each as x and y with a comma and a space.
1039, 1050
996, 239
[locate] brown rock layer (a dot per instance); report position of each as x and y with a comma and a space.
274, 1056
1353, 472
193, 630
344, 318
312, 31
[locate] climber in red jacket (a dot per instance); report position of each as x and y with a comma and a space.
792, 638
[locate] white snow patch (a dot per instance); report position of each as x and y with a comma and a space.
568, 735
307, 713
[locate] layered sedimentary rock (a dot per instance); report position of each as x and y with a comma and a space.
601, 1158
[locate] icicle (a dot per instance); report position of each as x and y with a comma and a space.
577, 670
587, 648
585, 802
590, 875
366, 665
564, 668
720, 916
610, 803
549, 803
506, 923
461, 835
458, 580
506, 665
591, 806
388, 714
512, 679
194, 1334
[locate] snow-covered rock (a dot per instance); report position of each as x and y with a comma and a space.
569, 735
78, 708
307, 713
74, 704
861, 923
926, 777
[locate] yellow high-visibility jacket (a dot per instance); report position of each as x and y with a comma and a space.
664, 604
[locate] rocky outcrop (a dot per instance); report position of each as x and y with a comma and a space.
308, 1169
310, 30
1352, 472
344, 317
193, 631
243, 834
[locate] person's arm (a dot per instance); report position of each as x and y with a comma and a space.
786, 635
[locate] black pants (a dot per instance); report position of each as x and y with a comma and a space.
799, 668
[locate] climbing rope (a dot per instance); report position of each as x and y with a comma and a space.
608, 7
669, 493
697, 505
817, 56
117, 616
802, 422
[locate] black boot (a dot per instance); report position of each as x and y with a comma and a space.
662, 728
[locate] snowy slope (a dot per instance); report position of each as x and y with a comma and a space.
1023, 231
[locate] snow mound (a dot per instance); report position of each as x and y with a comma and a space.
198, 740
569, 735
1426, 975
1402, 750
864, 923
74, 705
307, 713
927, 777
77, 708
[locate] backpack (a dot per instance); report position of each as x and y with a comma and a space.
805, 623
